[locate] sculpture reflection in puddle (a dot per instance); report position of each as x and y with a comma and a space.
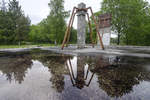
80, 80
115, 75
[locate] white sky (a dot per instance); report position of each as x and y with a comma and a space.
38, 9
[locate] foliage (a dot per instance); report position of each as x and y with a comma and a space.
93, 26
6, 32
57, 20
131, 20
38, 34
52, 29
14, 26
73, 36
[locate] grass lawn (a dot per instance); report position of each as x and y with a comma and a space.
24, 46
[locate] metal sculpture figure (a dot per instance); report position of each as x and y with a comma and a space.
67, 33
80, 81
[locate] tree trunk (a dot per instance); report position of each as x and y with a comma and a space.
19, 43
127, 41
55, 42
118, 42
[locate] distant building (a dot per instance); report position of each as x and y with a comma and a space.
105, 28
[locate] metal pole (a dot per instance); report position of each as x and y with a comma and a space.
66, 34
101, 42
91, 32
71, 69
90, 79
70, 28
70, 74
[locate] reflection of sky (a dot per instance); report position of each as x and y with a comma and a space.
141, 90
37, 86
38, 9
1, 73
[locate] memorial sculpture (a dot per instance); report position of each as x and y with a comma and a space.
81, 12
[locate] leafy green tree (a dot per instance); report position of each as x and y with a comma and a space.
39, 33
130, 18
35, 34
21, 23
46, 30
56, 19
73, 36
6, 32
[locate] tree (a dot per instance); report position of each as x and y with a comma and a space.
56, 20
39, 33
21, 23
130, 18
73, 36
6, 31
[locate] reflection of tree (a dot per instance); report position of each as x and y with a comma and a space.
119, 77
116, 75
15, 67
117, 81
56, 65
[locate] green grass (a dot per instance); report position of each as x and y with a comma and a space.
25, 46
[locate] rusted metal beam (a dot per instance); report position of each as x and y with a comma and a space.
90, 80
70, 74
91, 32
83, 9
87, 73
66, 33
68, 38
71, 69
101, 42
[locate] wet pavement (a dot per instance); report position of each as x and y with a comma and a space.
44, 75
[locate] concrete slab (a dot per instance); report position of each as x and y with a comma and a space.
137, 51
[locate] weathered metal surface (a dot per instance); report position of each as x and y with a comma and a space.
105, 28
105, 20
81, 26
106, 35
70, 28
66, 34
101, 42
91, 32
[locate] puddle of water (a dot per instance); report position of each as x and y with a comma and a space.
48, 76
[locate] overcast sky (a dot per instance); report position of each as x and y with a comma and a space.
38, 9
